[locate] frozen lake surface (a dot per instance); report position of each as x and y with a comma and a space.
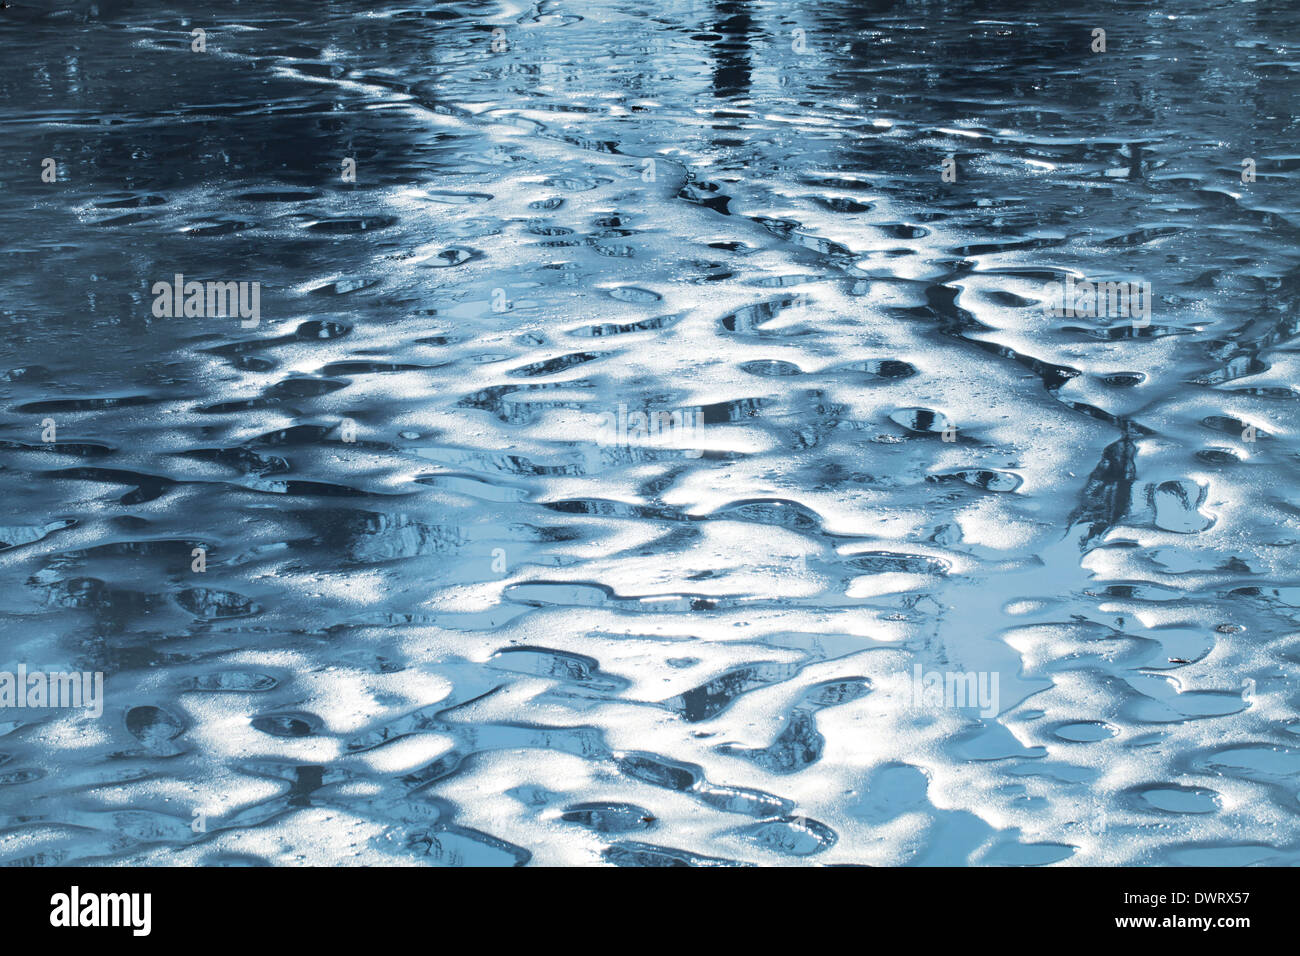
652, 441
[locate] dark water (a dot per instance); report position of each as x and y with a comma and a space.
445, 619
